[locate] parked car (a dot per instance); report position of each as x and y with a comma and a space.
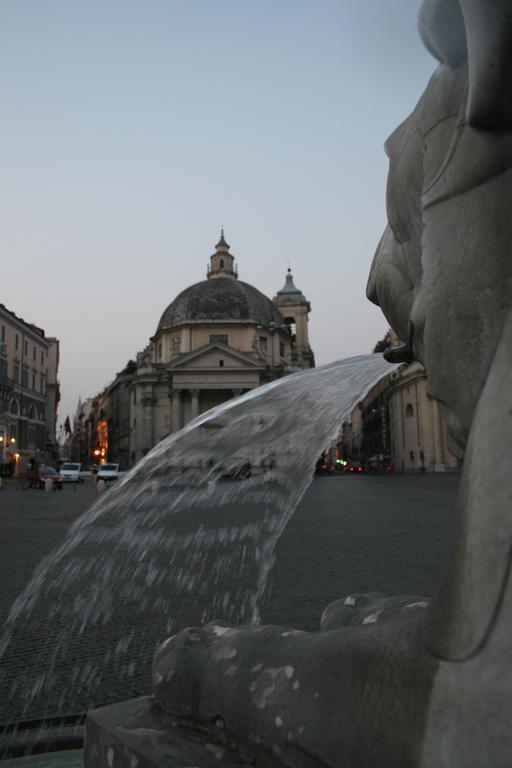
49, 473
108, 472
354, 467
71, 473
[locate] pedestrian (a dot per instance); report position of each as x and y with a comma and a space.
33, 473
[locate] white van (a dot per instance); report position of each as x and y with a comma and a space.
108, 472
70, 472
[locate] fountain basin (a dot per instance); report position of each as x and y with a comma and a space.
136, 734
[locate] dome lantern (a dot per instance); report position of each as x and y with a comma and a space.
222, 262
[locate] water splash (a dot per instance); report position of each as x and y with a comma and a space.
188, 535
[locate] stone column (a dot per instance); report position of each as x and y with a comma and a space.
194, 408
147, 403
177, 410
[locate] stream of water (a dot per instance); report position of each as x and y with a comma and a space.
154, 554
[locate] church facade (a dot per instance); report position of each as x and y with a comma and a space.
216, 340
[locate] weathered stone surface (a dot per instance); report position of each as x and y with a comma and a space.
301, 694
369, 609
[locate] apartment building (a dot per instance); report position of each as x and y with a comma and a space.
29, 392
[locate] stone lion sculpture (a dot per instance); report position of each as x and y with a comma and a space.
392, 682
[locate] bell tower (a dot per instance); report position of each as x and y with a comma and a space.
295, 309
222, 262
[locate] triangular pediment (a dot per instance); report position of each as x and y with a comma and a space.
211, 355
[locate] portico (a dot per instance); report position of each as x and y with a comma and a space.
187, 404
208, 377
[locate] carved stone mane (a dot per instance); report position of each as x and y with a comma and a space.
443, 277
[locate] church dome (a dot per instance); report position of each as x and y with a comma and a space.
221, 299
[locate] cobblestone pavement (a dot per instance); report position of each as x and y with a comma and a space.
350, 534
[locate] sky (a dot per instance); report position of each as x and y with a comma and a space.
132, 130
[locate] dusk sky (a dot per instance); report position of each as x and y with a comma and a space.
132, 130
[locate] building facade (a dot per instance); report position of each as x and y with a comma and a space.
419, 440
29, 392
216, 340
398, 424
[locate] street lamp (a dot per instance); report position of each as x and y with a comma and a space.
13, 440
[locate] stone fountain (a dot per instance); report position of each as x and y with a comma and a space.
391, 682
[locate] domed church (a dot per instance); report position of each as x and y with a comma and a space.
217, 339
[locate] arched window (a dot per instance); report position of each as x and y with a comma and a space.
292, 326
409, 411
14, 407
32, 413
222, 263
